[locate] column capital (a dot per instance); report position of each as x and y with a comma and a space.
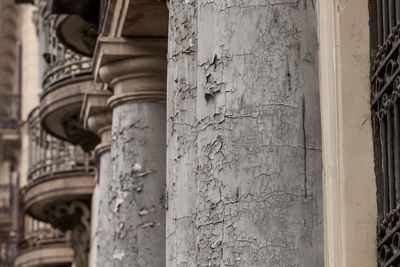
135, 69
97, 117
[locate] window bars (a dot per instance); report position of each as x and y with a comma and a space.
385, 105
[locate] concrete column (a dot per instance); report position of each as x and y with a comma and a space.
136, 193
97, 118
257, 180
181, 135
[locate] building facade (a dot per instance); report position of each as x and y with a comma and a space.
199, 133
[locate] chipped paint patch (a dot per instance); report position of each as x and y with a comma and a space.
144, 212
119, 201
137, 167
118, 255
148, 224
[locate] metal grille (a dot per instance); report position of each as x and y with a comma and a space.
385, 105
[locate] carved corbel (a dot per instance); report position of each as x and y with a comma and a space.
97, 117
73, 217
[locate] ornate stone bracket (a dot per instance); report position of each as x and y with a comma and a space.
97, 117
73, 217
77, 23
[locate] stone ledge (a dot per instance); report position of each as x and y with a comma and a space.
44, 255
59, 113
46, 191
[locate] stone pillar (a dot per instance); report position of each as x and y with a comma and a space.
181, 135
257, 180
136, 71
97, 118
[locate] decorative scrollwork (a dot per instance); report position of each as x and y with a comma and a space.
73, 217
385, 106
89, 36
389, 239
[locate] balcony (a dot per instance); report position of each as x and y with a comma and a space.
42, 245
59, 173
67, 78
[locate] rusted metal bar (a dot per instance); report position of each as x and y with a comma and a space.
392, 15
397, 151
385, 19
390, 157
379, 21
385, 182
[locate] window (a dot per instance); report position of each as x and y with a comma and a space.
385, 105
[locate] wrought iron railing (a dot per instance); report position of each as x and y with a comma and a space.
385, 105
38, 233
49, 155
10, 108
61, 65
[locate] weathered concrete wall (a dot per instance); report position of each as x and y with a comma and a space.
137, 189
255, 192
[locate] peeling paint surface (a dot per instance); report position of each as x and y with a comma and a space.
136, 203
104, 254
181, 134
244, 177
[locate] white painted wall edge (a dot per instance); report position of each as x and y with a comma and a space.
350, 212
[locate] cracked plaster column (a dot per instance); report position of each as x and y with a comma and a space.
97, 118
255, 195
181, 135
136, 71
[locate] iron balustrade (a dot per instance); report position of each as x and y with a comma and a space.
61, 65
385, 107
36, 234
10, 110
49, 156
